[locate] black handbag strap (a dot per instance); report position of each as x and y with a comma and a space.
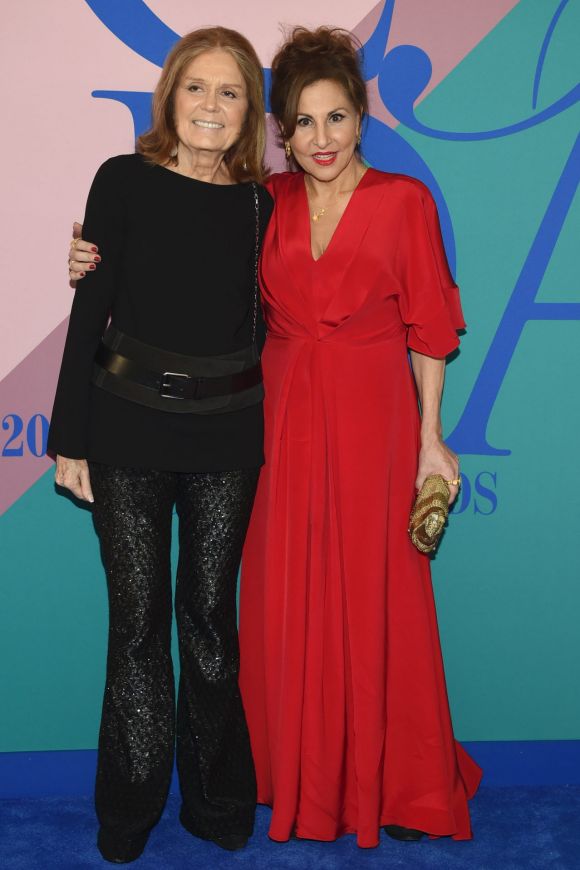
256, 256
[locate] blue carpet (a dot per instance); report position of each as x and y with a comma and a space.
515, 829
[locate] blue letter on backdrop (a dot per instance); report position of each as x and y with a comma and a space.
469, 435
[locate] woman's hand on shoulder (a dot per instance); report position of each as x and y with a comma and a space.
437, 458
82, 256
73, 474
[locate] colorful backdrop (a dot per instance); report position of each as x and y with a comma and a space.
478, 99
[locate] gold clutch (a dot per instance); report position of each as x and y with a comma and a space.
429, 513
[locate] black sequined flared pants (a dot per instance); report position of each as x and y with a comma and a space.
133, 513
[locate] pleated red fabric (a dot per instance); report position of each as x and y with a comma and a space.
341, 669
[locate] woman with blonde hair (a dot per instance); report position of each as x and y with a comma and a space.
162, 408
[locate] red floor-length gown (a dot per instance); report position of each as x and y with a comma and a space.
341, 669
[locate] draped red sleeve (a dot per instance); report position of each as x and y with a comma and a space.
429, 300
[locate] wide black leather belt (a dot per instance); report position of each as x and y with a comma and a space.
177, 385
169, 381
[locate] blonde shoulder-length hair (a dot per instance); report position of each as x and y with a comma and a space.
245, 158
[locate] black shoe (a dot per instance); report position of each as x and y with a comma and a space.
120, 851
406, 835
231, 842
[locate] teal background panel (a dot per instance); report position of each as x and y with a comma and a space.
507, 581
53, 623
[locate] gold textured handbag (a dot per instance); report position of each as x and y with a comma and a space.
429, 513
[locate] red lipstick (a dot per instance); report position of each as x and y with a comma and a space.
324, 158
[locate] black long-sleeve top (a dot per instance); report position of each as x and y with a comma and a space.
177, 272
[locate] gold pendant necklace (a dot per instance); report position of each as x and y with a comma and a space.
318, 213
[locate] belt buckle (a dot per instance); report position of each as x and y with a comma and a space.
168, 384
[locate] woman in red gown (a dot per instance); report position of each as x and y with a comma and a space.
341, 668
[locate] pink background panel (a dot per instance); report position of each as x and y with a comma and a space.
53, 56
28, 390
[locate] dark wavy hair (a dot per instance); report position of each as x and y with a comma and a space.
309, 56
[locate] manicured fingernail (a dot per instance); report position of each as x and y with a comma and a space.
97, 259
92, 266
94, 249
82, 274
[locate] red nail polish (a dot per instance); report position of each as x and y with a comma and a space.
94, 249
82, 274
97, 259
92, 266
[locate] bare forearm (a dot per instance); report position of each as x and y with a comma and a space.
429, 376
435, 457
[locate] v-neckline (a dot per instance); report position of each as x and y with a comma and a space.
340, 221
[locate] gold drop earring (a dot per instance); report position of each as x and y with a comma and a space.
288, 150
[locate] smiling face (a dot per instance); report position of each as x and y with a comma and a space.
327, 127
210, 103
